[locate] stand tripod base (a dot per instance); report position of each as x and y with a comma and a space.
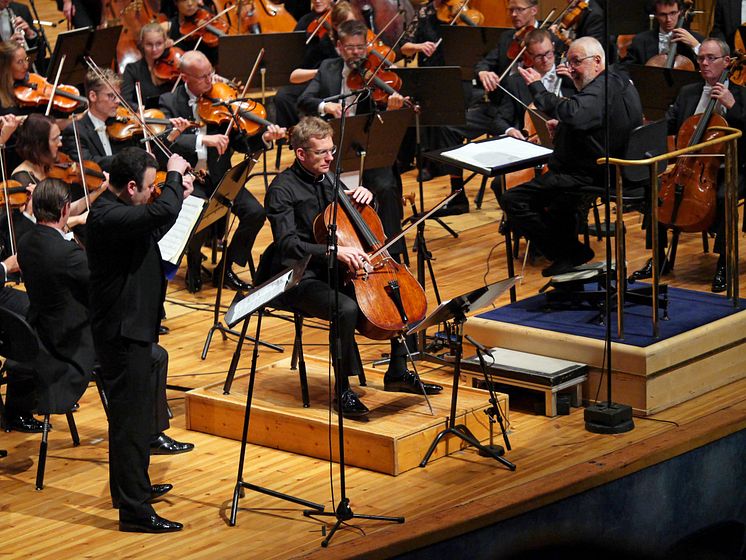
239, 493
344, 513
464, 433
608, 418
225, 331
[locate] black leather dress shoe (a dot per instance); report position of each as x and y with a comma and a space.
153, 524
408, 383
24, 423
162, 329
231, 279
165, 445
647, 271
559, 266
718, 281
156, 491
352, 406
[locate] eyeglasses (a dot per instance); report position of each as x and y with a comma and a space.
518, 10
543, 56
668, 14
330, 151
110, 96
709, 58
203, 77
576, 62
353, 48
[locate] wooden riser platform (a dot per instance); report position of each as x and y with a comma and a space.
392, 439
650, 379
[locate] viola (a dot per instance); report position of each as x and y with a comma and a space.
67, 170
251, 116
455, 12
125, 126
18, 195
390, 298
166, 66
672, 59
197, 25
35, 91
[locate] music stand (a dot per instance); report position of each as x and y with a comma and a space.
99, 44
239, 311
628, 17
464, 46
658, 87
455, 310
218, 207
283, 53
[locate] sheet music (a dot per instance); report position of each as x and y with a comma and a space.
172, 244
256, 298
496, 153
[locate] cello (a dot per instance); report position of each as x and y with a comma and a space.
389, 297
688, 192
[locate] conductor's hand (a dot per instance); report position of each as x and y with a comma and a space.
361, 195
552, 126
217, 141
353, 257
333, 109
489, 80
178, 164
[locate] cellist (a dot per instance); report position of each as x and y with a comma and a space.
713, 59
294, 199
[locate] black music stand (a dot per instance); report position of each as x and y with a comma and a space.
658, 87
495, 156
455, 310
219, 206
628, 17
239, 311
464, 46
75, 45
283, 53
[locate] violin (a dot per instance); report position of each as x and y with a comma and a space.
125, 126
216, 106
568, 19
390, 298
166, 66
160, 178
134, 16
320, 26
517, 45
672, 59
455, 12
196, 24
34, 91
688, 192
18, 195
384, 82
379, 52
68, 171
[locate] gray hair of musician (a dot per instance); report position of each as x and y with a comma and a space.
724, 48
591, 47
307, 128
191, 59
49, 198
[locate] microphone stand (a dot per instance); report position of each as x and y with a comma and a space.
343, 512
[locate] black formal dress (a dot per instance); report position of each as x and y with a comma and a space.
127, 289
90, 143
138, 72
247, 208
383, 182
544, 209
727, 20
645, 46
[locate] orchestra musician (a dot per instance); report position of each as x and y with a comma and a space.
647, 44
330, 81
211, 149
294, 199
187, 9
14, 67
17, 24
152, 42
713, 58
729, 15
544, 209
127, 290
590, 23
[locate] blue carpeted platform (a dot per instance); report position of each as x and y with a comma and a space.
687, 310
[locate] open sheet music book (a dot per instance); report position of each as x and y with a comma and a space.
504, 154
173, 244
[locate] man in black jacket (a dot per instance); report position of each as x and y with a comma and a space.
127, 290
209, 148
544, 209
728, 18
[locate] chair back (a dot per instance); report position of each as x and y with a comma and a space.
645, 141
18, 340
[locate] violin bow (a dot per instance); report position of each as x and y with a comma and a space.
203, 25
523, 50
177, 81
315, 31
258, 60
80, 162
138, 94
384, 60
8, 212
458, 13
529, 109
54, 86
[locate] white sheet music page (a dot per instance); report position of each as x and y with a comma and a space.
172, 244
496, 153
256, 298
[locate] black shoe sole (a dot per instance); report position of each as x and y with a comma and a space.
161, 452
135, 528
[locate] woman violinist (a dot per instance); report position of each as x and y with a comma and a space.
14, 67
189, 13
153, 45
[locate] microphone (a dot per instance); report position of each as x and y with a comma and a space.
343, 95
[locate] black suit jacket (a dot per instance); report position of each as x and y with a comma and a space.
645, 45
127, 281
327, 82
90, 143
686, 103
55, 273
727, 20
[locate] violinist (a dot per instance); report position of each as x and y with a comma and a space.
187, 10
294, 199
544, 209
14, 67
713, 59
422, 35
211, 149
329, 81
647, 44
590, 23
152, 42
729, 16
17, 24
